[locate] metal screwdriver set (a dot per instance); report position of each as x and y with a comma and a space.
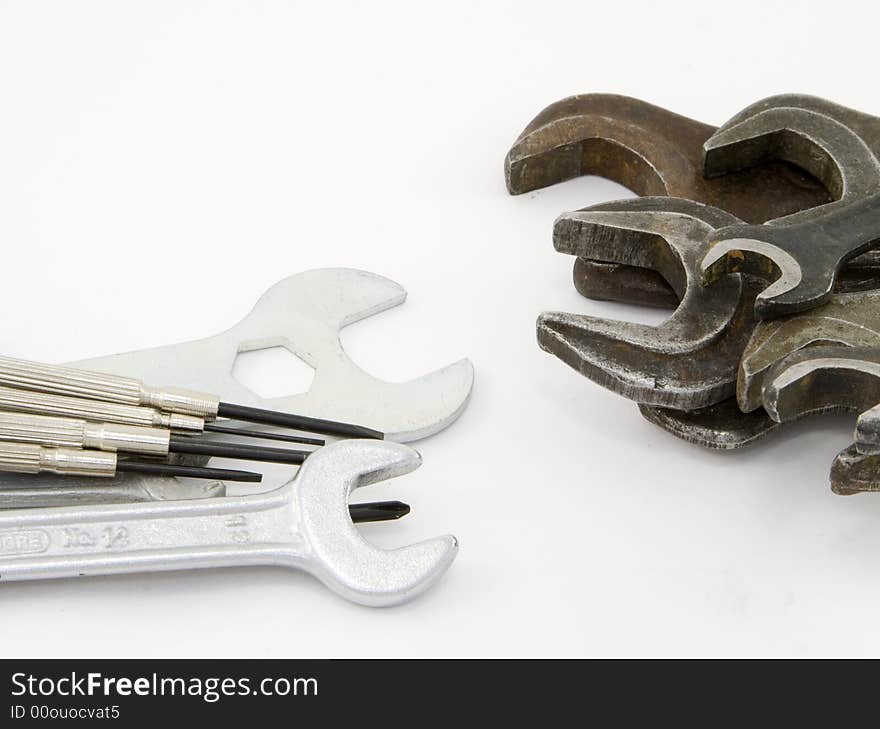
92, 455
760, 235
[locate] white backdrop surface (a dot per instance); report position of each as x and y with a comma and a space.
163, 163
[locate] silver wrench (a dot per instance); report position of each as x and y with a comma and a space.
304, 314
126, 489
304, 524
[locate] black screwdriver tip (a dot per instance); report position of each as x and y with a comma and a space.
297, 422
169, 469
378, 511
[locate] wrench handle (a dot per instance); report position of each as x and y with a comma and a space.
855, 225
139, 537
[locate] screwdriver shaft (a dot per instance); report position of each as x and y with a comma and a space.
262, 435
297, 422
170, 469
72, 382
184, 444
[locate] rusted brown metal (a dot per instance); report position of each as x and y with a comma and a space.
652, 151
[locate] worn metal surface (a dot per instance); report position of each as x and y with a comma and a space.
726, 427
304, 314
846, 319
823, 378
690, 360
719, 427
603, 281
826, 378
643, 286
854, 473
655, 152
305, 524
652, 151
799, 255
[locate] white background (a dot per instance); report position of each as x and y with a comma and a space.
163, 163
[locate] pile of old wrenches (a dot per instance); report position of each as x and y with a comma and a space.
759, 234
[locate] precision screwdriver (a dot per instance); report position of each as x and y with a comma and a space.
75, 433
58, 380
40, 403
34, 459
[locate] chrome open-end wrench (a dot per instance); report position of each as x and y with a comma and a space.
305, 524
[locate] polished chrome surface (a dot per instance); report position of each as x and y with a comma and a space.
305, 524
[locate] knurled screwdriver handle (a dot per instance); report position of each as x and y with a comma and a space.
71, 433
69, 381
33, 459
39, 403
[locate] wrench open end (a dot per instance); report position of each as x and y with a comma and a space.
848, 319
304, 314
718, 427
598, 134
823, 379
690, 360
305, 524
855, 473
807, 248
342, 558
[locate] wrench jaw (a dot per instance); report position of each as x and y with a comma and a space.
847, 320
616, 137
769, 137
789, 291
820, 379
337, 554
804, 251
304, 524
655, 233
823, 379
690, 360
603, 281
618, 356
640, 286
651, 151
854, 473
868, 432
718, 427
304, 314
403, 411
816, 136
